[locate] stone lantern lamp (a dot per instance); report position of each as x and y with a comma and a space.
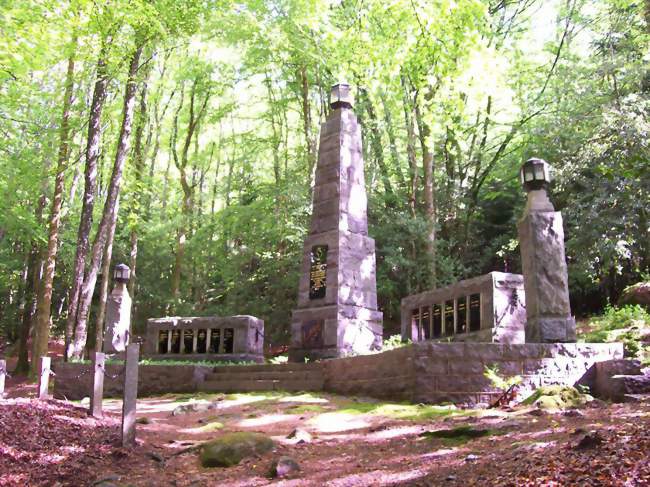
541, 241
341, 96
122, 273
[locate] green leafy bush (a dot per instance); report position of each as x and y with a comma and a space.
393, 342
628, 324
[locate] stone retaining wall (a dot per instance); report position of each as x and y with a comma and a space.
453, 372
425, 372
74, 381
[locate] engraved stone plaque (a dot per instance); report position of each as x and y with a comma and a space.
318, 272
312, 334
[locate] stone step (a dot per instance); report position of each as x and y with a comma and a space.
244, 369
261, 385
283, 375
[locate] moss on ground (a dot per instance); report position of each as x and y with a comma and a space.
555, 398
231, 448
460, 435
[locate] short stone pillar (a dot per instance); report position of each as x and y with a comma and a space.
3, 373
118, 313
44, 376
541, 241
96, 395
130, 394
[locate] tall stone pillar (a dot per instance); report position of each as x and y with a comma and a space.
118, 313
337, 300
541, 241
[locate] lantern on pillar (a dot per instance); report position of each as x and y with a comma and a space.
121, 273
535, 174
341, 96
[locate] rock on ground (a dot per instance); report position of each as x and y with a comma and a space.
230, 449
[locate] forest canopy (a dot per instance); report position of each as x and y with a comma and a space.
181, 136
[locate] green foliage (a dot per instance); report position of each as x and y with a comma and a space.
502, 383
629, 324
393, 342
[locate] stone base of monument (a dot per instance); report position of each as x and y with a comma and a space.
334, 331
553, 330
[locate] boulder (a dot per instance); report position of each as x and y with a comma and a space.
638, 293
284, 466
230, 449
300, 436
557, 398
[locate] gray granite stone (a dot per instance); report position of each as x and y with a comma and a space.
97, 393
3, 373
44, 364
345, 320
118, 319
130, 394
541, 240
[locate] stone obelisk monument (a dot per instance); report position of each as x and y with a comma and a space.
337, 299
543, 262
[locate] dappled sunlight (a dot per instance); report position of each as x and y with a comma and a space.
377, 477
265, 420
304, 398
439, 453
338, 421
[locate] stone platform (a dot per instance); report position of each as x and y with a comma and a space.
424, 372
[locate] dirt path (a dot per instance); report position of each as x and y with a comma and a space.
354, 442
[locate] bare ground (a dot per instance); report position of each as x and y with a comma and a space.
355, 442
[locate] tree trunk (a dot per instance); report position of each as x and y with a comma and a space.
306, 118
429, 193
44, 300
138, 162
86, 220
377, 149
410, 147
109, 215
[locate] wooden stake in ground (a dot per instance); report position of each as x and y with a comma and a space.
3, 372
130, 394
98, 385
44, 377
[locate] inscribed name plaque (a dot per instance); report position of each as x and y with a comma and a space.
318, 272
312, 334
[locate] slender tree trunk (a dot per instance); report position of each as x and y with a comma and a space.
44, 300
138, 162
92, 156
429, 194
306, 118
106, 279
109, 215
377, 149
392, 141
410, 147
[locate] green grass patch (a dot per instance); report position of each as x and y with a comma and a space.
459, 436
305, 408
415, 412
209, 427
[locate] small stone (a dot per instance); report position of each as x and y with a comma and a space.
143, 420
230, 449
450, 478
106, 481
284, 466
471, 458
590, 440
300, 435
574, 413
156, 456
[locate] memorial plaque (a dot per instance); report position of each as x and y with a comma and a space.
228, 340
475, 312
461, 315
318, 272
188, 341
201, 341
215, 338
449, 317
426, 322
176, 341
436, 311
163, 341
312, 334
